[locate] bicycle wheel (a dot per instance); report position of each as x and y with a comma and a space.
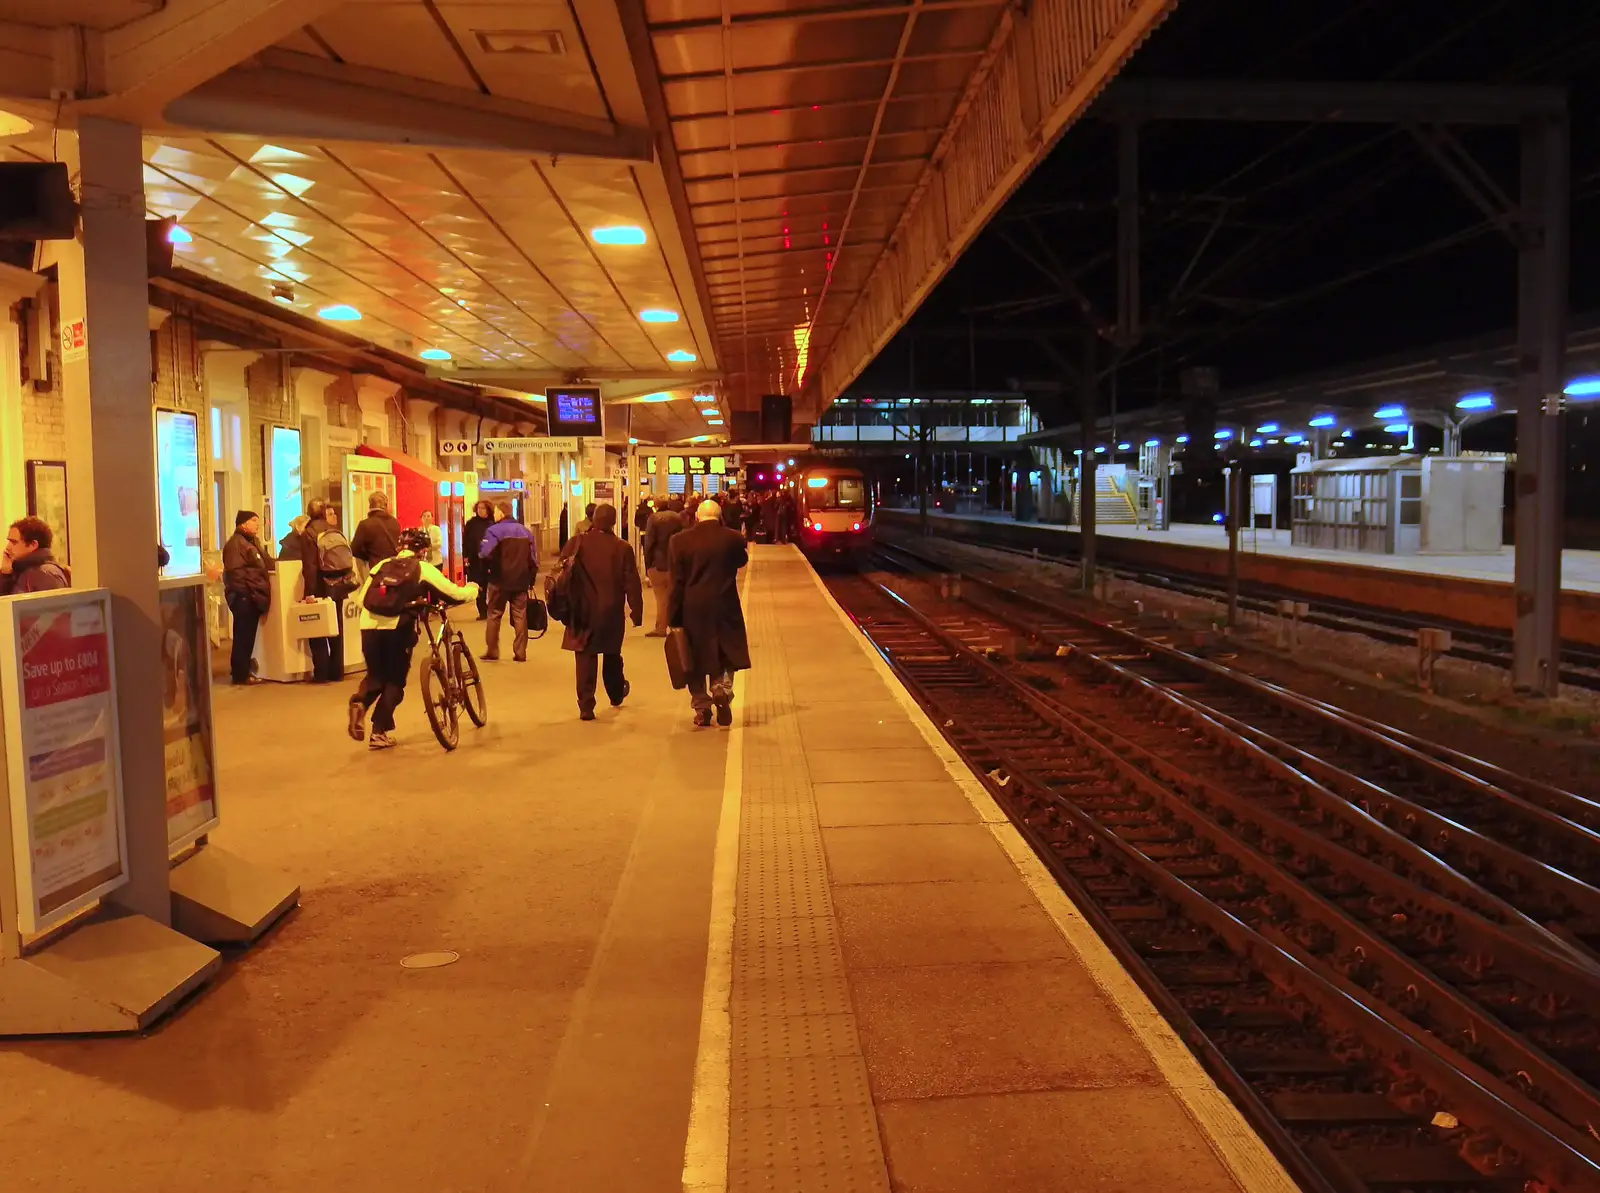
440, 704
469, 683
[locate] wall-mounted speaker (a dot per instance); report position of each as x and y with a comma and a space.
36, 202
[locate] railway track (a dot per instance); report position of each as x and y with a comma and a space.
1580, 665
1387, 1020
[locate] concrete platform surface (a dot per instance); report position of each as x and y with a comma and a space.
1580, 570
805, 953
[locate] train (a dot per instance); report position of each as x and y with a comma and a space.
834, 506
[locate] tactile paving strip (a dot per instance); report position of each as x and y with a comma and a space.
801, 1113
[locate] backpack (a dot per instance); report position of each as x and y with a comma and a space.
558, 590
395, 588
333, 553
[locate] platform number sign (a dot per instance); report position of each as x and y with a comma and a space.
455, 447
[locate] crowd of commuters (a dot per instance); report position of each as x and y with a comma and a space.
692, 550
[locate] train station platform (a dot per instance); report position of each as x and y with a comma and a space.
1472, 590
804, 953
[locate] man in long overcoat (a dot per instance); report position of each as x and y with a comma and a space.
704, 603
605, 578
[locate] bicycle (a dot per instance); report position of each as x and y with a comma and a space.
450, 679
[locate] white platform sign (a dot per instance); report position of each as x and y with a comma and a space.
531, 443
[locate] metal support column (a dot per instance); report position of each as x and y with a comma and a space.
1234, 486
1086, 468
1541, 442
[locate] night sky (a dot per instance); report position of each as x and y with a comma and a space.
1327, 244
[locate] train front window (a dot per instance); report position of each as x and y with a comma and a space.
851, 494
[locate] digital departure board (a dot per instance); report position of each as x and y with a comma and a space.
575, 410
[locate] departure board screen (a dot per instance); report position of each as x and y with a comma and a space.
575, 410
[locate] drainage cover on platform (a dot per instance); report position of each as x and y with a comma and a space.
429, 960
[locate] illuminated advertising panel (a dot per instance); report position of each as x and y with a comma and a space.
675, 465
283, 484
178, 489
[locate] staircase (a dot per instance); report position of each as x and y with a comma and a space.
1111, 506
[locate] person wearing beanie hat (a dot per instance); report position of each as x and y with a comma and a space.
605, 588
704, 604
377, 537
247, 590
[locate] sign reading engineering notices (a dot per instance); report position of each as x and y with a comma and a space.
531, 443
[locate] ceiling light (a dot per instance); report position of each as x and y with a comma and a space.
632, 440
521, 41
1267, 429
713, 422
1344, 434
1099, 451
339, 313
679, 356
1255, 443
662, 396
1583, 387
1476, 402
434, 354
1385, 412
12, 125
618, 234
1183, 439
1223, 434
705, 397
282, 293
1294, 439
657, 315
1124, 447
178, 234
1322, 420
1397, 429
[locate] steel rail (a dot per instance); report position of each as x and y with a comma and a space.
1559, 1153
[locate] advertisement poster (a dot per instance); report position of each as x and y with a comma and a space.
186, 713
283, 455
47, 499
66, 792
178, 489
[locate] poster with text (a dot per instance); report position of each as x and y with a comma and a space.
178, 489
186, 714
64, 777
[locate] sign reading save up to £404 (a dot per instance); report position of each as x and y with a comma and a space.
63, 768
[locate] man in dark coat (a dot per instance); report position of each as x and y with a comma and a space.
663, 526
604, 579
704, 604
246, 588
377, 536
471, 539
327, 654
28, 564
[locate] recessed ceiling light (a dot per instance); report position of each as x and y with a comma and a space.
662, 396
339, 313
716, 422
521, 41
178, 234
434, 354
618, 234
680, 356
705, 397
657, 315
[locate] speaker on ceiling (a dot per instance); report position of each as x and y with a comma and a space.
776, 413
36, 202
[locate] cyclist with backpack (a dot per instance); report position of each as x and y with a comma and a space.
389, 601
329, 569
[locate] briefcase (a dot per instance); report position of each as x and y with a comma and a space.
679, 659
313, 619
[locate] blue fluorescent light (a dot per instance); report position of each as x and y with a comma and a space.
178, 234
1476, 402
1294, 439
1344, 434
657, 315
339, 313
680, 356
1267, 429
1223, 434
1397, 429
618, 234
1099, 451
1183, 439
434, 354
1124, 447
1389, 412
1255, 443
1216, 517
1322, 420
1152, 443
1583, 387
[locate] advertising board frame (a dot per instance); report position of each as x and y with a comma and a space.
33, 915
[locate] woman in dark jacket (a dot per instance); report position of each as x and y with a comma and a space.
704, 604
471, 539
604, 586
245, 565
